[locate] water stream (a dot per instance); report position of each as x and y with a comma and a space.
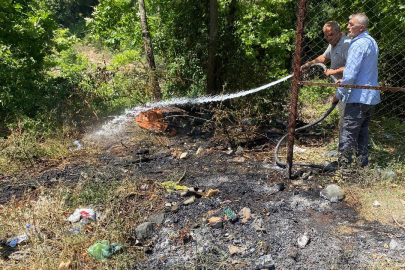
115, 126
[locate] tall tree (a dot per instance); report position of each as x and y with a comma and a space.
212, 49
147, 41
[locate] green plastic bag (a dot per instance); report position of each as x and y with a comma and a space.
102, 250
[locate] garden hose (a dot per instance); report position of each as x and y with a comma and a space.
326, 168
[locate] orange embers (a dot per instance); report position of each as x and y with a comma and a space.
153, 120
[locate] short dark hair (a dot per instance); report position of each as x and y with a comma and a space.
332, 24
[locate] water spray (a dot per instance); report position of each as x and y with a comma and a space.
115, 125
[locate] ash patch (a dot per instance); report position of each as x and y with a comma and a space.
267, 240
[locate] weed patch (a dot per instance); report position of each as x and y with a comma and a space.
53, 241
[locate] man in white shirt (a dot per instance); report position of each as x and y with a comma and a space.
336, 53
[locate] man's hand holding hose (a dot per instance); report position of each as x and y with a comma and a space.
335, 99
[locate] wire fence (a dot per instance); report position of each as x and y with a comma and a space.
328, 33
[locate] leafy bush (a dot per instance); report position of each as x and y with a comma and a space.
114, 22
125, 58
27, 38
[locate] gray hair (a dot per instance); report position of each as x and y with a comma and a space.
332, 24
361, 18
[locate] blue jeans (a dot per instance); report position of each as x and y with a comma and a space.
353, 135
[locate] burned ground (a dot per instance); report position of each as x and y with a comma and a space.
246, 178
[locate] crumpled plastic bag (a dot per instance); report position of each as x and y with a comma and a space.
21, 238
82, 213
102, 250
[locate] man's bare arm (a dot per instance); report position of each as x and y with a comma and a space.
320, 59
329, 72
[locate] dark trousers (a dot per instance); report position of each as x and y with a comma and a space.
353, 135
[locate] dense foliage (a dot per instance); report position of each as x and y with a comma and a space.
26, 41
255, 38
50, 76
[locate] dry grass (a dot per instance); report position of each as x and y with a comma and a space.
382, 262
119, 207
391, 196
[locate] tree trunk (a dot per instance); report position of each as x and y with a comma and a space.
212, 49
147, 41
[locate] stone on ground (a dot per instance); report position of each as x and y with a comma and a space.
333, 193
145, 231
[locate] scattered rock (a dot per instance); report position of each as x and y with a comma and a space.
200, 150
234, 250
229, 152
239, 159
332, 153
215, 222
376, 204
157, 218
246, 214
333, 193
239, 151
265, 262
306, 174
175, 207
184, 155
303, 240
145, 231
189, 200
298, 182
211, 192
168, 207
395, 245
258, 225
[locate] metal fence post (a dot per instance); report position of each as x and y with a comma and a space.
295, 87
